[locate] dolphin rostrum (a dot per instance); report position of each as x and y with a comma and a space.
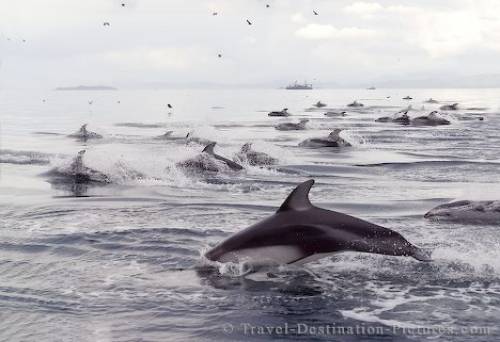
300, 232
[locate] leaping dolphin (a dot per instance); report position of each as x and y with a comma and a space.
300, 232
208, 160
231, 164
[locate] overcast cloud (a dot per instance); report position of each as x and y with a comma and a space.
177, 41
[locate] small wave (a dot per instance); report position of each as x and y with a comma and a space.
430, 163
47, 133
140, 125
229, 125
477, 108
24, 157
324, 170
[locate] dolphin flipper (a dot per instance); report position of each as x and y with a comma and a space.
422, 254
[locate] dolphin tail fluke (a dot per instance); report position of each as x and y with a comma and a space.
209, 148
423, 254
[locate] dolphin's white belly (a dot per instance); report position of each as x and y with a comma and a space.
312, 257
264, 255
269, 255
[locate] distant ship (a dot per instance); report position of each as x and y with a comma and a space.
297, 86
371, 88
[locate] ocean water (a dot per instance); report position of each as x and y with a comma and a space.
123, 261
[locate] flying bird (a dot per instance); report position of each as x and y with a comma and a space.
220, 55
215, 13
90, 102
169, 106
105, 24
123, 5
267, 6
249, 22
315, 13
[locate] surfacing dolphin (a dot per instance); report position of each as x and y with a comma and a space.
283, 112
190, 137
432, 119
401, 118
208, 160
165, 136
335, 114
332, 140
77, 172
300, 232
254, 158
484, 212
355, 103
453, 106
209, 149
431, 100
231, 164
292, 126
84, 134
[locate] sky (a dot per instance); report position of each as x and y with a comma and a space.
177, 42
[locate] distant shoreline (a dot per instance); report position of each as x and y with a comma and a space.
86, 88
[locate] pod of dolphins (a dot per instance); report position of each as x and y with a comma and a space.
299, 232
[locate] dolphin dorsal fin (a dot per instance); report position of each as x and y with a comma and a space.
246, 147
299, 198
209, 148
